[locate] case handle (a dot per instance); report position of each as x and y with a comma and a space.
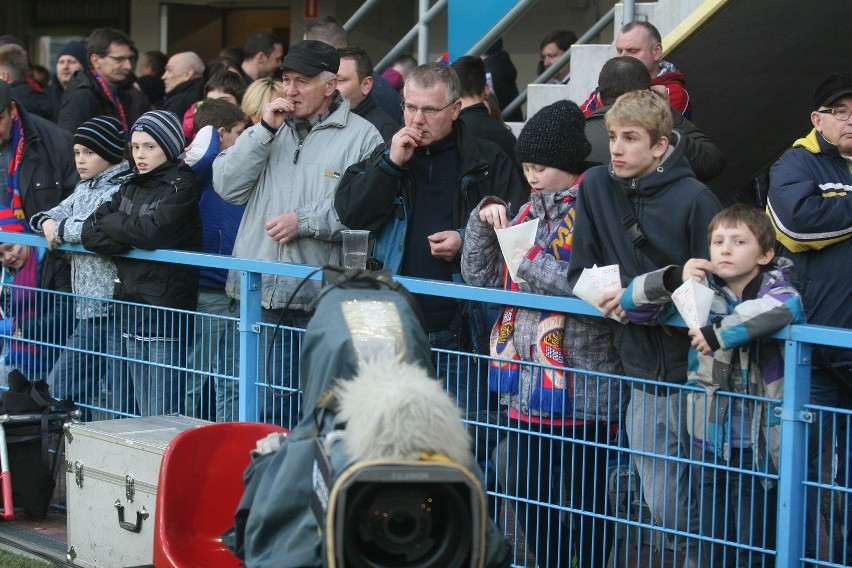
140, 516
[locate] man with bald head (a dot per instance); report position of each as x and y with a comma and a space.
184, 82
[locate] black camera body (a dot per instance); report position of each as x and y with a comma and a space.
428, 513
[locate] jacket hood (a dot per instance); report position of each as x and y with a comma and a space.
673, 167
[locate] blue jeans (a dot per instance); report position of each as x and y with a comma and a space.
829, 437
81, 371
215, 352
737, 506
454, 371
279, 366
155, 372
656, 424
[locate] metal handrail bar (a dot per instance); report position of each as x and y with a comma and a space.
593, 31
360, 14
406, 40
500, 27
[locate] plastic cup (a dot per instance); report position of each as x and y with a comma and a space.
355, 249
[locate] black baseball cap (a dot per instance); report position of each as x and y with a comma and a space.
832, 88
311, 57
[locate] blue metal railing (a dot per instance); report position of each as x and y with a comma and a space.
816, 534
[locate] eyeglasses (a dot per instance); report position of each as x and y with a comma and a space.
428, 112
122, 58
841, 114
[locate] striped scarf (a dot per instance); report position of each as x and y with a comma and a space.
548, 384
12, 212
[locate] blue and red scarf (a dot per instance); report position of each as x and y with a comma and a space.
548, 383
12, 216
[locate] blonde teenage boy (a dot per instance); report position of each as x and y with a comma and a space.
649, 183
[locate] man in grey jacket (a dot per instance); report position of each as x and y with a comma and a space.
285, 169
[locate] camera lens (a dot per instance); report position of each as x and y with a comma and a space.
413, 525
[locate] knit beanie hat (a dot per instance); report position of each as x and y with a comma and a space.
102, 135
554, 137
76, 49
164, 127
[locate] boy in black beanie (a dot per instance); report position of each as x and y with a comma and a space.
548, 407
156, 207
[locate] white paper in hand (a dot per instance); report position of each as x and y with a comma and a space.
692, 300
596, 281
515, 242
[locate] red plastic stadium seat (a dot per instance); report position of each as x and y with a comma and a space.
201, 482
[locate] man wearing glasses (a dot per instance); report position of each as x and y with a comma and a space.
810, 204
417, 192
93, 91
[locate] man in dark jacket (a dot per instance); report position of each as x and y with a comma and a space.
417, 192
93, 91
13, 69
184, 82
355, 82
46, 173
474, 114
502, 77
810, 205
623, 74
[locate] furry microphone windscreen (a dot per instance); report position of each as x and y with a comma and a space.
394, 410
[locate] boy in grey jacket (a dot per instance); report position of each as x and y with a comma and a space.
99, 156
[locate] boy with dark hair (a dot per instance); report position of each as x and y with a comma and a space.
155, 207
355, 81
224, 85
732, 353
218, 124
650, 183
262, 53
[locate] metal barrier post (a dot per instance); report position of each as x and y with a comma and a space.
250, 296
793, 470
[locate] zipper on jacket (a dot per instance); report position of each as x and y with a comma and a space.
296, 154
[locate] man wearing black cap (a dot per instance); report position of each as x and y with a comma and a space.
44, 167
810, 204
284, 169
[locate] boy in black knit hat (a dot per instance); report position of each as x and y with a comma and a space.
156, 207
99, 149
548, 407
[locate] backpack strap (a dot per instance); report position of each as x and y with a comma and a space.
631, 225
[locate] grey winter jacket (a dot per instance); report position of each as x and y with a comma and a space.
587, 342
92, 275
273, 174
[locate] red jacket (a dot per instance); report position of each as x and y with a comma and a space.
673, 81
